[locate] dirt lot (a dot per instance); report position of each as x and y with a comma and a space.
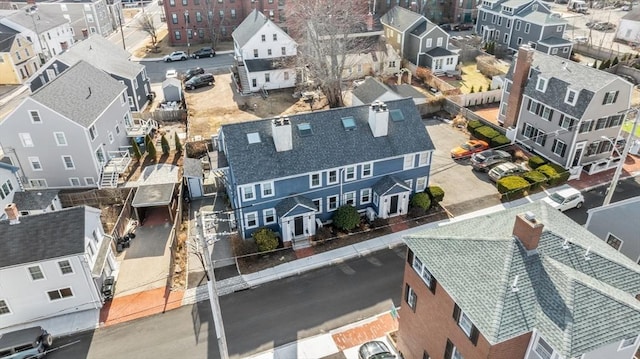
209, 108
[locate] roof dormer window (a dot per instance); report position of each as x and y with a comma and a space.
542, 84
571, 97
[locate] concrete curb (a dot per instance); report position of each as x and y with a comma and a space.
631, 175
152, 59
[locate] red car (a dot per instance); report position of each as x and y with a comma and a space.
468, 148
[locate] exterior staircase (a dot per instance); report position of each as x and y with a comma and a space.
110, 172
244, 79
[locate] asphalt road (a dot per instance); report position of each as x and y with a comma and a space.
257, 319
219, 64
625, 189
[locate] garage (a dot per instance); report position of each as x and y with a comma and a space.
155, 203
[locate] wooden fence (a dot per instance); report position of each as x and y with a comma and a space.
173, 235
455, 109
165, 115
120, 227
94, 198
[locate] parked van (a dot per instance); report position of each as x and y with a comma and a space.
25, 343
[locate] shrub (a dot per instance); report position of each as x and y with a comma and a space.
615, 61
420, 200
165, 145
243, 247
472, 90
178, 145
346, 217
499, 141
555, 174
151, 150
473, 124
536, 161
435, 193
136, 149
512, 186
485, 133
266, 239
535, 178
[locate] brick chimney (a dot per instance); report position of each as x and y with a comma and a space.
522, 65
369, 21
379, 119
11, 210
281, 132
528, 230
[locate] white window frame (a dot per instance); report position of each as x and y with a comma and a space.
411, 298
422, 271
74, 181
409, 183
337, 172
110, 137
609, 96
545, 351
554, 51
429, 43
424, 159
243, 190
311, 178
37, 114
337, 203
408, 162
25, 139
367, 192
421, 184
60, 293
265, 215
611, 236
628, 344
349, 197
63, 267
33, 160
527, 28
35, 183
64, 162
57, 138
93, 133
319, 209
39, 270
255, 218
575, 97
263, 186
363, 172
350, 173
544, 82
90, 181
556, 145
465, 323
4, 307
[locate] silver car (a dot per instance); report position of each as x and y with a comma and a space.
506, 169
483, 161
25, 343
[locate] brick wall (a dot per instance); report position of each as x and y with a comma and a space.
433, 323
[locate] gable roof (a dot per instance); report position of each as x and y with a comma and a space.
406, 90
81, 93
7, 37
249, 27
43, 236
45, 18
577, 305
400, 18
328, 146
104, 55
284, 207
34, 199
370, 90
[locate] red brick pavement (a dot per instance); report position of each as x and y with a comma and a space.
139, 305
377, 328
304, 252
631, 165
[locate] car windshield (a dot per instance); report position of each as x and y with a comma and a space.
557, 198
466, 146
480, 157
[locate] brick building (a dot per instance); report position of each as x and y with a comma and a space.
195, 21
526, 282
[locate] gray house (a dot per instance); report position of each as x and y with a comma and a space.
419, 40
617, 225
106, 56
569, 113
72, 132
372, 90
511, 23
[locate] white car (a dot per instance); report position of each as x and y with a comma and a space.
565, 199
581, 39
171, 73
175, 56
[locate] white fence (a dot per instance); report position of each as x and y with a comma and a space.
477, 98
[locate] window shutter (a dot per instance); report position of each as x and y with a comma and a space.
433, 285
456, 312
474, 335
409, 256
550, 115
561, 118
523, 129
564, 149
529, 105
448, 350
604, 100
544, 139
615, 97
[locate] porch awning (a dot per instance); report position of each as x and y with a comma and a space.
153, 195
101, 258
294, 205
389, 185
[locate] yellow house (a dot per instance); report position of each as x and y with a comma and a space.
18, 59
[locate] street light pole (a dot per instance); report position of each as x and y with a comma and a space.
31, 11
627, 146
124, 46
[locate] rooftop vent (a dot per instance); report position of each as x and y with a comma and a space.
253, 137
304, 129
349, 123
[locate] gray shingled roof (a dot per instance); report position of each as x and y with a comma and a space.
515, 3
576, 304
7, 36
554, 41
42, 236
386, 183
542, 14
81, 93
370, 90
104, 55
286, 205
439, 51
46, 18
192, 167
34, 200
400, 18
563, 73
329, 146
406, 90
249, 27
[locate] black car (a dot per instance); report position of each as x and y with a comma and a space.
199, 81
483, 161
192, 72
108, 288
204, 52
375, 350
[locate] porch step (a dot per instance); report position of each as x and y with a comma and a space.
109, 180
244, 80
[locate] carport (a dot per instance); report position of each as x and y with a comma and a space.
153, 196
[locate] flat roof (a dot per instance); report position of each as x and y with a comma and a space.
153, 195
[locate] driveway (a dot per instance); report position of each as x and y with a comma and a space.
465, 190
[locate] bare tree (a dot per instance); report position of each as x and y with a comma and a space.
324, 31
146, 24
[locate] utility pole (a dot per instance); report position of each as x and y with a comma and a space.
213, 299
124, 46
627, 146
32, 11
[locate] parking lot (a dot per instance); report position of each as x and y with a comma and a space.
465, 189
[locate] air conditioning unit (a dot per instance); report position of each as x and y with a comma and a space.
371, 214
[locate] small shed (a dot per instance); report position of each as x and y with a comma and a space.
172, 90
150, 197
193, 177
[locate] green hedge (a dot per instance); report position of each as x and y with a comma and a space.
265, 239
435, 193
535, 178
512, 187
485, 133
536, 161
499, 141
420, 200
346, 217
473, 124
555, 174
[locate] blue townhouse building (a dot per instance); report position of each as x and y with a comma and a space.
291, 173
